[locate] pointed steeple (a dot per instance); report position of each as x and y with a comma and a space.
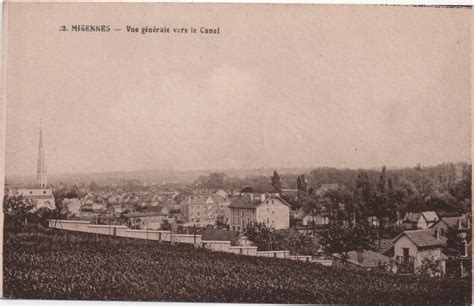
42, 177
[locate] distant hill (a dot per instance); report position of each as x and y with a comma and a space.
147, 176
447, 172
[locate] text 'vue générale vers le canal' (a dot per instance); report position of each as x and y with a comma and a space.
142, 30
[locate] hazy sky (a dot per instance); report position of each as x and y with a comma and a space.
281, 86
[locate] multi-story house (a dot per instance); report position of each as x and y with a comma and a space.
272, 211
204, 209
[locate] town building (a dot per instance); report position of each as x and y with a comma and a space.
204, 209
458, 224
146, 220
421, 220
272, 211
305, 219
412, 247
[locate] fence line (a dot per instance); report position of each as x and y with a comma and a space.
157, 235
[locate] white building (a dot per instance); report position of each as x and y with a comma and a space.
420, 220
411, 248
272, 211
42, 195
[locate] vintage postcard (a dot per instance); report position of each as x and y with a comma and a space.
237, 153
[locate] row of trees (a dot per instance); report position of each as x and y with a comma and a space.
266, 238
388, 197
334, 239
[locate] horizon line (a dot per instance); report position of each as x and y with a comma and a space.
212, 170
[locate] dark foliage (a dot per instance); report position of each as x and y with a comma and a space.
69, 266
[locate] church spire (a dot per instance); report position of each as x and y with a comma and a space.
42, 177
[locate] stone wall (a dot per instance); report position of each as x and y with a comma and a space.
167, 236
123, 231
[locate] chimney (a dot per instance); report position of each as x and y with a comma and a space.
251, 197
459, 224
437, 233
468, 223
466, 248
262, 197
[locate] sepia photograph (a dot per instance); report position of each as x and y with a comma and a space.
237, 153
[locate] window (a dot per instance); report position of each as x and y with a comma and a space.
268, 221
198, 213
272, 202
273, 212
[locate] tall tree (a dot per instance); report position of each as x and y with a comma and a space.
276, 182
382, 180
311, 205
260, 235
301, 183
338, 239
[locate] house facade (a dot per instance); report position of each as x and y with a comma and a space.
460, 224
273, 211
204, 209
421, 220
146, 220
243, 211
412, 247
317, 219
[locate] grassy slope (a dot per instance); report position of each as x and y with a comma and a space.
74, 266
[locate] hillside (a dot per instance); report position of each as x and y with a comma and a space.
57, 265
